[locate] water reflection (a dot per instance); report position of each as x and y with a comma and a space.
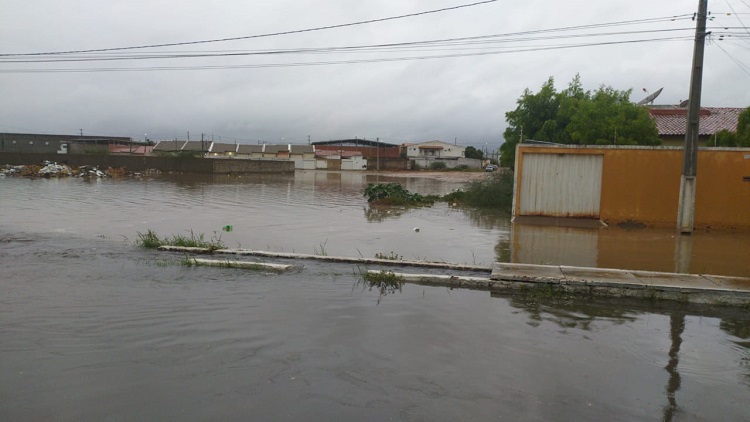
375, 213
705, 252
676, 328
565, 311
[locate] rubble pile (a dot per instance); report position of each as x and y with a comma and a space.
54, 169
90, 171
50, 169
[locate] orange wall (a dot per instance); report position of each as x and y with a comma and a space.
642, 184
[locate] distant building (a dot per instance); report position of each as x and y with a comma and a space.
169, 146
62, 144
435, 149
250, 151
222, 150
671, 122
367, 148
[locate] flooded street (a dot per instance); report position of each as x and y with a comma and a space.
94, 328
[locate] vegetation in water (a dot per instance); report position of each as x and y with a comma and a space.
386, 282
494, 191
152, 240
391, 256
394, 194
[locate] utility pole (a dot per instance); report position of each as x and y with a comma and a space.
686, 210
377, 140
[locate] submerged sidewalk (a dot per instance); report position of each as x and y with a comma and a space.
694, 288
697, 288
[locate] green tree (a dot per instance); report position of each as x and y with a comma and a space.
533, 118
724, 138
574, 116
472, 152
743, 128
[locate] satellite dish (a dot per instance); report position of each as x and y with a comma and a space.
684, 103
650, 98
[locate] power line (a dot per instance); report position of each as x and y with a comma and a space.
298, 31
741, 65
378, 60
738, 18
392, 47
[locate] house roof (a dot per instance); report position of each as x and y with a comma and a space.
276, 148
357, 143
217, 147
249, 149
169, 145
673, 120
196, 146
302, 149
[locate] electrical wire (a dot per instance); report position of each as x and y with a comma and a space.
741, 65
298, 31
737, 16
392, 47
343, 62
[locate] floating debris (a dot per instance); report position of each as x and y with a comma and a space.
90, 171
54, 169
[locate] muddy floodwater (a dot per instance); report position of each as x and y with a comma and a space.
94, 328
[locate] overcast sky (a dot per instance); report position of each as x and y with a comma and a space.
386, 94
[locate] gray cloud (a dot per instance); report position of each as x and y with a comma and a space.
462, 98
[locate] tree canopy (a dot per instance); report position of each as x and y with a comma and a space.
574, 116
472, 152
740, 138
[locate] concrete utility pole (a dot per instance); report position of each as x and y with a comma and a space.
377, 140
686, 210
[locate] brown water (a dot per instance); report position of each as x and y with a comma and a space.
92, 328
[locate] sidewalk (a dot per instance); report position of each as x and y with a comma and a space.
694, 288
697, 288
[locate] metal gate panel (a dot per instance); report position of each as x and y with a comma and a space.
561, 185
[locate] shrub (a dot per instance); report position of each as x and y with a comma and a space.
494, 191
393, 194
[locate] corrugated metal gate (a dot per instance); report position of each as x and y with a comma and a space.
561, 185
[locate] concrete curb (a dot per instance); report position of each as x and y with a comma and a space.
693, 288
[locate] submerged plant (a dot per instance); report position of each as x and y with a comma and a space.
392, 256
322, 251
394, 194
495, 191
152, 240
386, 282
149, 240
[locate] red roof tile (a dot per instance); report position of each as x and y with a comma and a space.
673, 120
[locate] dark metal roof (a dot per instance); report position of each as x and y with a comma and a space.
302, 149
217, 147
249, 149
169, 146
196, 146
357, 143
276, 148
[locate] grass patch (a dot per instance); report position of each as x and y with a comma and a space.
151, 240
494, 191
386, 282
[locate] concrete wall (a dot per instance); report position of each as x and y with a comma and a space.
163, 164
642, 184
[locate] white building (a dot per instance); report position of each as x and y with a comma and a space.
435, 149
